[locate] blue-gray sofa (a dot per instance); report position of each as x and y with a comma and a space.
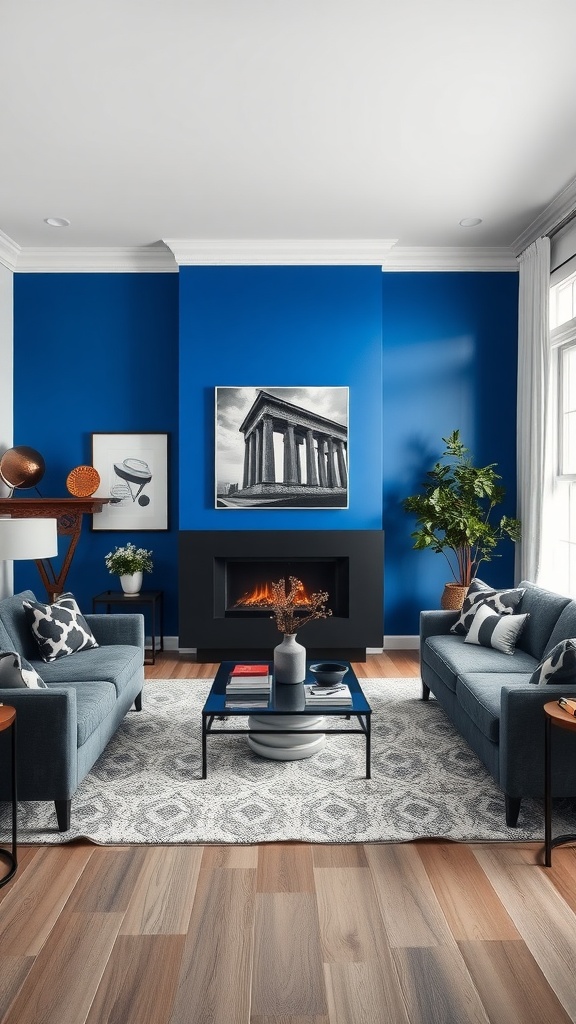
63, 729
489, 699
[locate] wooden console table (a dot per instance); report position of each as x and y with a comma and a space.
68, 512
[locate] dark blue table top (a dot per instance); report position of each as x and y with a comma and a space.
284, 698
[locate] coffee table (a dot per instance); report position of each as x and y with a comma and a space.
288, 713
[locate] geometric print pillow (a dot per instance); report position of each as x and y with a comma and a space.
59, 629
501, 632
16, 673
558, 667
501, 601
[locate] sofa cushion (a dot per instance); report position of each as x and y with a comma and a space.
13, 618
501, 632
450, 657
17, 673
479, 696
479, 593
115, 664
59, 628
564, 629
545, 609
559, 666
93, 704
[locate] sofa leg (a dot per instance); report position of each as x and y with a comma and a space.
512, 809
138, 701
63, 809
425, 691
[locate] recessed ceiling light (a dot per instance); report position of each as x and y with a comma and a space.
57, 222
470, 222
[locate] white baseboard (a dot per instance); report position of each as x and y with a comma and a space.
401, 643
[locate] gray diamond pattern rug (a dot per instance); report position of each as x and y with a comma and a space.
426, 782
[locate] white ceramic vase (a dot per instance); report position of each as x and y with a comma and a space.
131, 583
289, 660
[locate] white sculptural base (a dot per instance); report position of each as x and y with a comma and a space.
286, 746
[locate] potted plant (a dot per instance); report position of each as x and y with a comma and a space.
454, 516
129, 563
289, 655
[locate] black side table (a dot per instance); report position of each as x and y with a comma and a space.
555, 716
153, 599
8, 721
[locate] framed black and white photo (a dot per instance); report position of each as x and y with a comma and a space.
133, 472
283, 447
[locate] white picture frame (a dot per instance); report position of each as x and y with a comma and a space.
133, 469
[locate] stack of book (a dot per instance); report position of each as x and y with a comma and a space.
248, 686
339, 694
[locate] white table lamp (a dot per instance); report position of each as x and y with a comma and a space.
28, 538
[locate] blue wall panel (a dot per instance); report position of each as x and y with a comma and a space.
274, 327
449, 361
97, 352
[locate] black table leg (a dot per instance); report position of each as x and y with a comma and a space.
204, 751
548, 793
368, 745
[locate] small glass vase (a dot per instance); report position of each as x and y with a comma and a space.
131, 583
289, 660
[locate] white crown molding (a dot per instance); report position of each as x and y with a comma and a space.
9, 251
549, 219
275, 252
96, 260
457, 258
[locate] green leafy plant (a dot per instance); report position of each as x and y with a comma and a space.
454, 511
128, 559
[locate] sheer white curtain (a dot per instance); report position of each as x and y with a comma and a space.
534, 429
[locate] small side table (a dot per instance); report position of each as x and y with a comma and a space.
555, 716
153, 599
8, 721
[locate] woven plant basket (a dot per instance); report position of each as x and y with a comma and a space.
453, 597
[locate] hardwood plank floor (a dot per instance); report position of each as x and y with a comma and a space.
415, 933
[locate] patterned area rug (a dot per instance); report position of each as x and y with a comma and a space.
426, 782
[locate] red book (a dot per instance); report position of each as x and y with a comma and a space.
250, 670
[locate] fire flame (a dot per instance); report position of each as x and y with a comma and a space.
261, 597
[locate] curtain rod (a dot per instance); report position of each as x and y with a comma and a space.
562, 224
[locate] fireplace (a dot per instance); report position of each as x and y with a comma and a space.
225, 579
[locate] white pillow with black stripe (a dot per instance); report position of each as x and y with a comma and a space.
59, 629
501, 632
502, 601
559, 666
17, 673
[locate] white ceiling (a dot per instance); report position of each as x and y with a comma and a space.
144, 120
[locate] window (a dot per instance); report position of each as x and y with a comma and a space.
563, 380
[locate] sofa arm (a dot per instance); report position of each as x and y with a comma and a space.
522, 728
434, 623
46, 744
119, 628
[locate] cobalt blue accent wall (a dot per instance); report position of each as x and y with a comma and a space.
280, 326
449, 361
97, 352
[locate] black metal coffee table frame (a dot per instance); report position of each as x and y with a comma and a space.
283, 701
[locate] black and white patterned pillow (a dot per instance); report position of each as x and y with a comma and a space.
16, 673
559, 666
501, 632
502, 601
59, 629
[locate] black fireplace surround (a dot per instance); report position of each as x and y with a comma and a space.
224, 583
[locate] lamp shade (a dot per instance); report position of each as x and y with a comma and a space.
28, 538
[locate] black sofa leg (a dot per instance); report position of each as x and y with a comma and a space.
512, 809
425, 691
138, 701
63, 809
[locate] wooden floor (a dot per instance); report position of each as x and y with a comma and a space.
284, 933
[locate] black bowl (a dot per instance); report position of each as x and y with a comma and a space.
329, 672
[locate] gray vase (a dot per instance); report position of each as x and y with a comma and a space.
289, 660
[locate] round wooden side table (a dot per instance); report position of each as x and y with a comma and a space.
555, 716
8, 721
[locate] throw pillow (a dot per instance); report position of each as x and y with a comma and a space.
502, 601
501, 632
58, 628
16, 672
559, 666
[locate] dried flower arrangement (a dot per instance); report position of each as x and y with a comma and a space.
284, 604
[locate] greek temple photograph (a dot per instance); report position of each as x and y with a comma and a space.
283, 447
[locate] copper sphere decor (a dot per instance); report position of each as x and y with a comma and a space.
21, 467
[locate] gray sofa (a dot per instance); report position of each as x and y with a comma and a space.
63, 729
488, 696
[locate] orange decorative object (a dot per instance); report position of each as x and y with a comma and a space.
22, 467
83, 481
